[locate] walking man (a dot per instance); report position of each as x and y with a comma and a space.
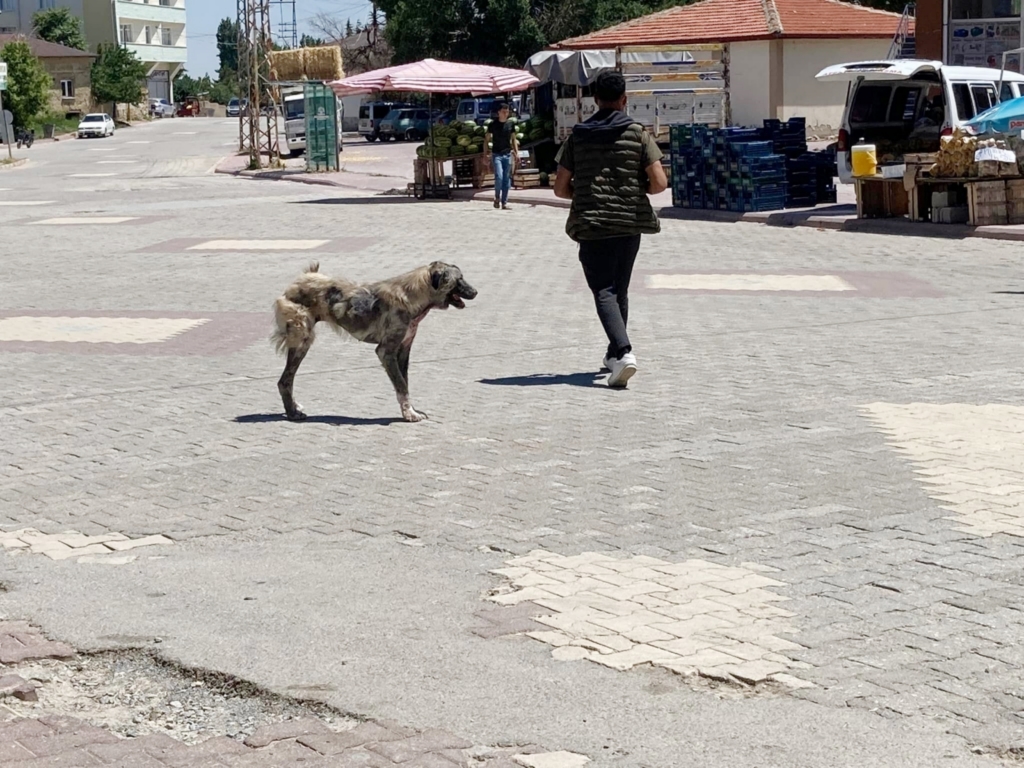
504, 151
608, 167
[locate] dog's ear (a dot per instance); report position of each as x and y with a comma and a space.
440, 273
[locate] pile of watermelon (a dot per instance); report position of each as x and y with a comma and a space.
453, 140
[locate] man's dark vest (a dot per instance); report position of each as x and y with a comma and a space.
609, 183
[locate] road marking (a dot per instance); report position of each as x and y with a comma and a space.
969, 456
88, 220
185, 133
90, 175
102, 149
140, 142
258, 245
117, 162
95, 330
22, 203
748, 282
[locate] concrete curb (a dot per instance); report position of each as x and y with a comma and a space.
20, 162
840, 218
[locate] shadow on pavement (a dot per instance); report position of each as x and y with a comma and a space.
264, 418
547, 379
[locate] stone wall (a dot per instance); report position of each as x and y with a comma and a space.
78, 71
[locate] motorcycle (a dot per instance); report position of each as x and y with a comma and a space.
26, 138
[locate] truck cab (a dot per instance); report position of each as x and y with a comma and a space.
295, 121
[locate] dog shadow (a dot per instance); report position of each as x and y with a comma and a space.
546, 380
337, 421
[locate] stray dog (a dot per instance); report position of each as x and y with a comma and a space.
386, 314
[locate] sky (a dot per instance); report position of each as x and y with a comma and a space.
203, 16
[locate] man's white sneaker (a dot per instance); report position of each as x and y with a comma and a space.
606, 364
621, 370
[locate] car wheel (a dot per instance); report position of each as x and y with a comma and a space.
370, 137
412, 135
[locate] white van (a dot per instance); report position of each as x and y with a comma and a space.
906, 105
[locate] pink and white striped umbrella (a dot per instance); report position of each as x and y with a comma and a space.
433, 76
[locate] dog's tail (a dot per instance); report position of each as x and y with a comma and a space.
293, 326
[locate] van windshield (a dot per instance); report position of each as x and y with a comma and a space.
381, 111
294, 109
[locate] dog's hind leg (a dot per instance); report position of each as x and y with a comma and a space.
284, 385
396, 363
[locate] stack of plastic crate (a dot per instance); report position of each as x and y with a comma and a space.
686, 144
757, 177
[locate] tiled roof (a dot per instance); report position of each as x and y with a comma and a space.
44, 49
724, 21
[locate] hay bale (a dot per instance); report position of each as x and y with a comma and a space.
323, 62
288, 65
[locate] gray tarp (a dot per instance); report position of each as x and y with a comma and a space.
570, 67
583, 67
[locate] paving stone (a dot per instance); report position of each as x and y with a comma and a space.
364, 733
403, 750
287, 729
561, 759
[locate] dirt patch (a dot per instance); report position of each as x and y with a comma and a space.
134, 694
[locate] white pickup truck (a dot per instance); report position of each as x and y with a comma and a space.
295, 120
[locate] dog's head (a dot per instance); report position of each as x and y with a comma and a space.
449, 286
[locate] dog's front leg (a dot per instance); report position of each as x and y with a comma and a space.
391, 358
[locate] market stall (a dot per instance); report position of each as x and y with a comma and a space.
431, 76
976, 177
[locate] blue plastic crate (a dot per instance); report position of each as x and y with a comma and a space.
751, 149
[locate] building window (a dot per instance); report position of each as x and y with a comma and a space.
46, 4
6, 5
126, 34
149, 35
165, 36
67, 89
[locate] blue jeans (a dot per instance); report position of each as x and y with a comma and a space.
502, 177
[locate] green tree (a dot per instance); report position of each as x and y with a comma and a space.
348, 28
308, 41
188, 87
118, 76
28, 84
227, 49
223, 91
57, 25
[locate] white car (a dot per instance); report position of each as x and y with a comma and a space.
96, 124
161, 108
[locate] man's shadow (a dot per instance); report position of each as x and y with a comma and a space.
546, 380
337, 421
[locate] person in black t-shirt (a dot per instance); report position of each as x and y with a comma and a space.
504, 153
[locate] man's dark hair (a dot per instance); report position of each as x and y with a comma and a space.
609, 87
500, 105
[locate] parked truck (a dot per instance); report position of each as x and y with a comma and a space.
666, 84
294, 107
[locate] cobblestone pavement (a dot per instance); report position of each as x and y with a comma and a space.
828, 421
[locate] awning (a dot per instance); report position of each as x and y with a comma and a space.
433, 76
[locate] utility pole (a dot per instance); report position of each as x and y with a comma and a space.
257, 132
8, 138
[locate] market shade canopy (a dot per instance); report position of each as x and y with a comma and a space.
1007, 117
433, 76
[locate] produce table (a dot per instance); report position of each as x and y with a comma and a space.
429, 179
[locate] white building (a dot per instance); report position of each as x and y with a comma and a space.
153, 29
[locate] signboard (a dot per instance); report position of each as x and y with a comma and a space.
3, 75
981, 43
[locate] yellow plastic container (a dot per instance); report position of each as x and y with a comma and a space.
864, 158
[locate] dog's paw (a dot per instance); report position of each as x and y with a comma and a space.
412, 415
